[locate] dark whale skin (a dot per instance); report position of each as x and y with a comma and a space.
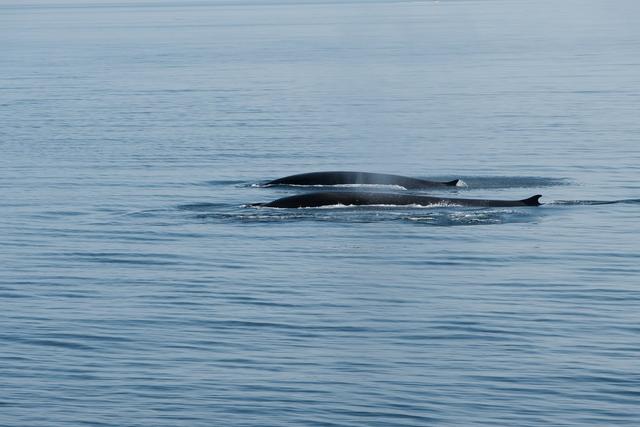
356, 198
347, 177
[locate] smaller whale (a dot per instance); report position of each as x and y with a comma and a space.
356, 198
367, 178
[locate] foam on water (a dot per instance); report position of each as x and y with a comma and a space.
440, 214
505, 182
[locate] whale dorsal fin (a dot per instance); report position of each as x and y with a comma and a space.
533, 200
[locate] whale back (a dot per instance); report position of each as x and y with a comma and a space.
358, 178
349, 198
532, 201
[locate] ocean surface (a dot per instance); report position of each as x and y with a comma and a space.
137, 288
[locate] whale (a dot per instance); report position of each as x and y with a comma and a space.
368, 178
357, 198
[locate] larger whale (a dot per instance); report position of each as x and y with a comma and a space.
357, 198
368, 178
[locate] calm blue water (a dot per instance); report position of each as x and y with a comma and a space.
136, 289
